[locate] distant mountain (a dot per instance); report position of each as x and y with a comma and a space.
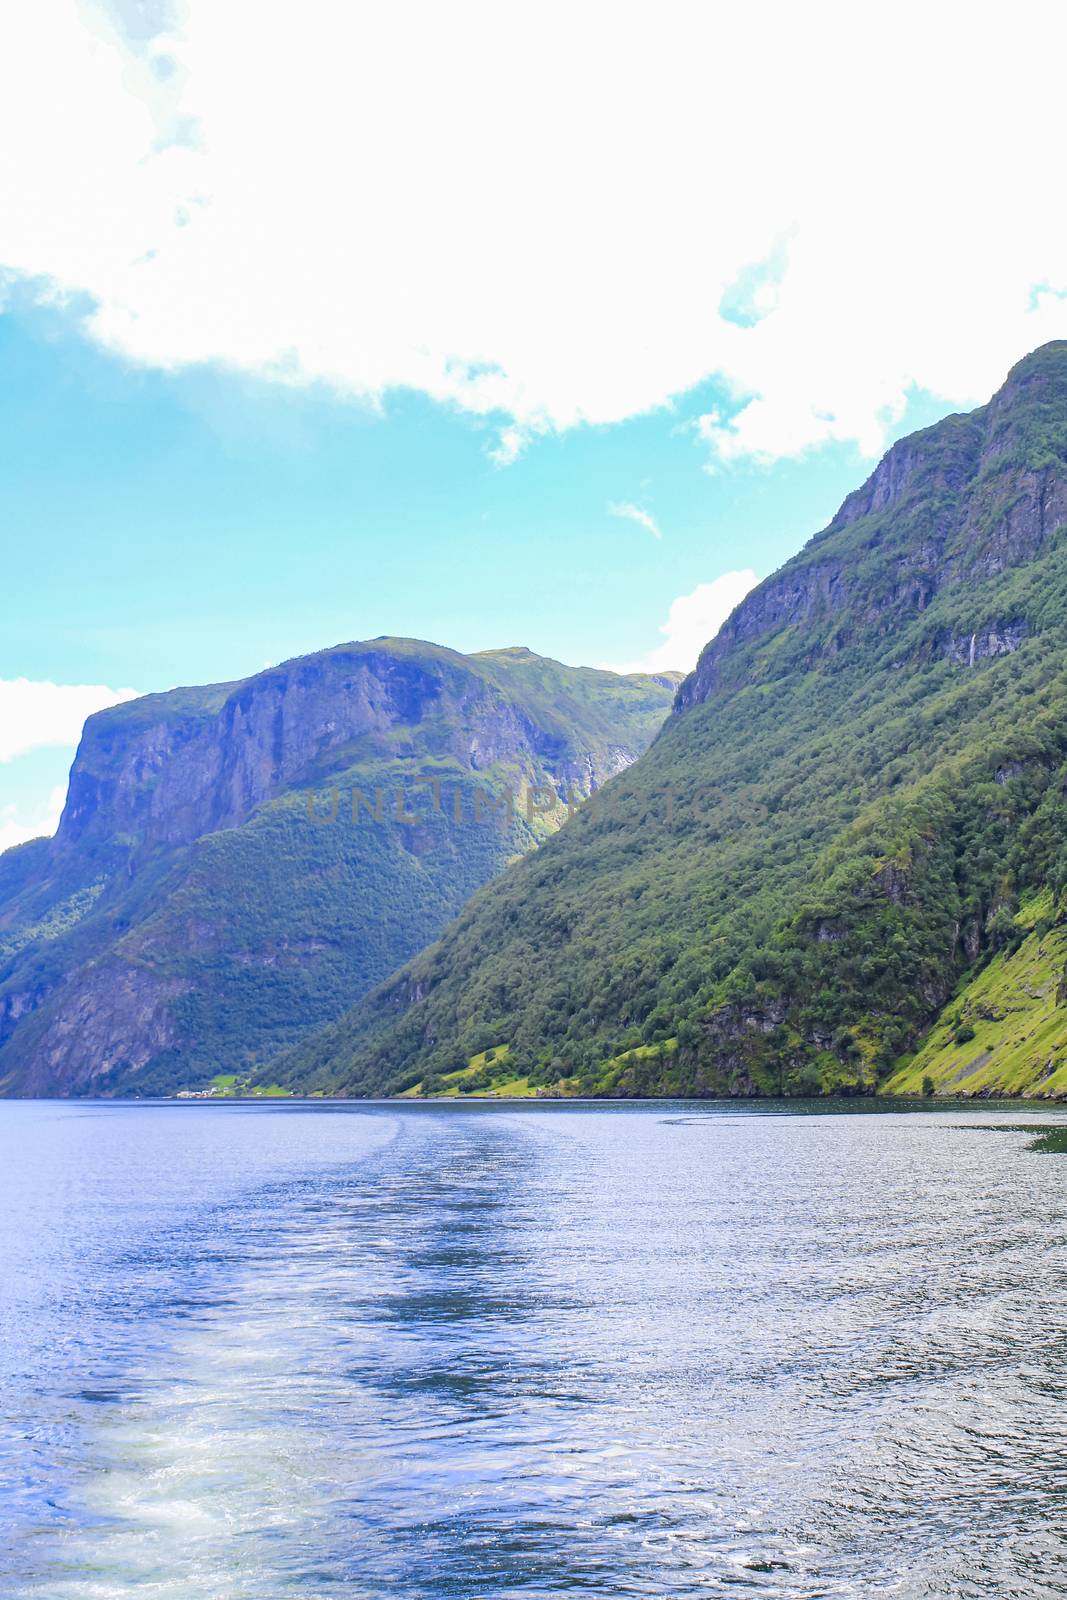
237, 863
842, 864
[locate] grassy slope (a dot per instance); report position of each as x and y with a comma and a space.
1006, 1030
582, 703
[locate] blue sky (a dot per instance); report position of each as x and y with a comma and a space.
489, 324
174, 529
195, 527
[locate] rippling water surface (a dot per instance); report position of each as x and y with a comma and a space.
274, 1351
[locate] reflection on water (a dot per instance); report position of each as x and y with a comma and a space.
456, 1351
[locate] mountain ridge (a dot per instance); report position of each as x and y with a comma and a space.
952, 462
191, 915
866, 774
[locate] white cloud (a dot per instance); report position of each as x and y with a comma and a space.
511, 442
692, 621
34, 715
465, 200
632, 513
17, 824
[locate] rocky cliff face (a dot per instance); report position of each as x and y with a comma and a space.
193, 913
166, 773
956, 504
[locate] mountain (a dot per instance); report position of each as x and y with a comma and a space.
841, 865
236, 863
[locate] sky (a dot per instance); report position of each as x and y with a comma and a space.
489, 324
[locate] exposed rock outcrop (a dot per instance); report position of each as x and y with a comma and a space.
972, 496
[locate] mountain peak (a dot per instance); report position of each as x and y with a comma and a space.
1048, 363
848, 845
237, 862
973, 496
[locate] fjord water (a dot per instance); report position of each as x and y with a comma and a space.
257, 1351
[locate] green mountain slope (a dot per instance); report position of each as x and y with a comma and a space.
236, 862
863, 782
1005, 1031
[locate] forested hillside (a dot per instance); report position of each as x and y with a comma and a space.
849, 838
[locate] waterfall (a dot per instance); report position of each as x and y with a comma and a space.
970, 659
